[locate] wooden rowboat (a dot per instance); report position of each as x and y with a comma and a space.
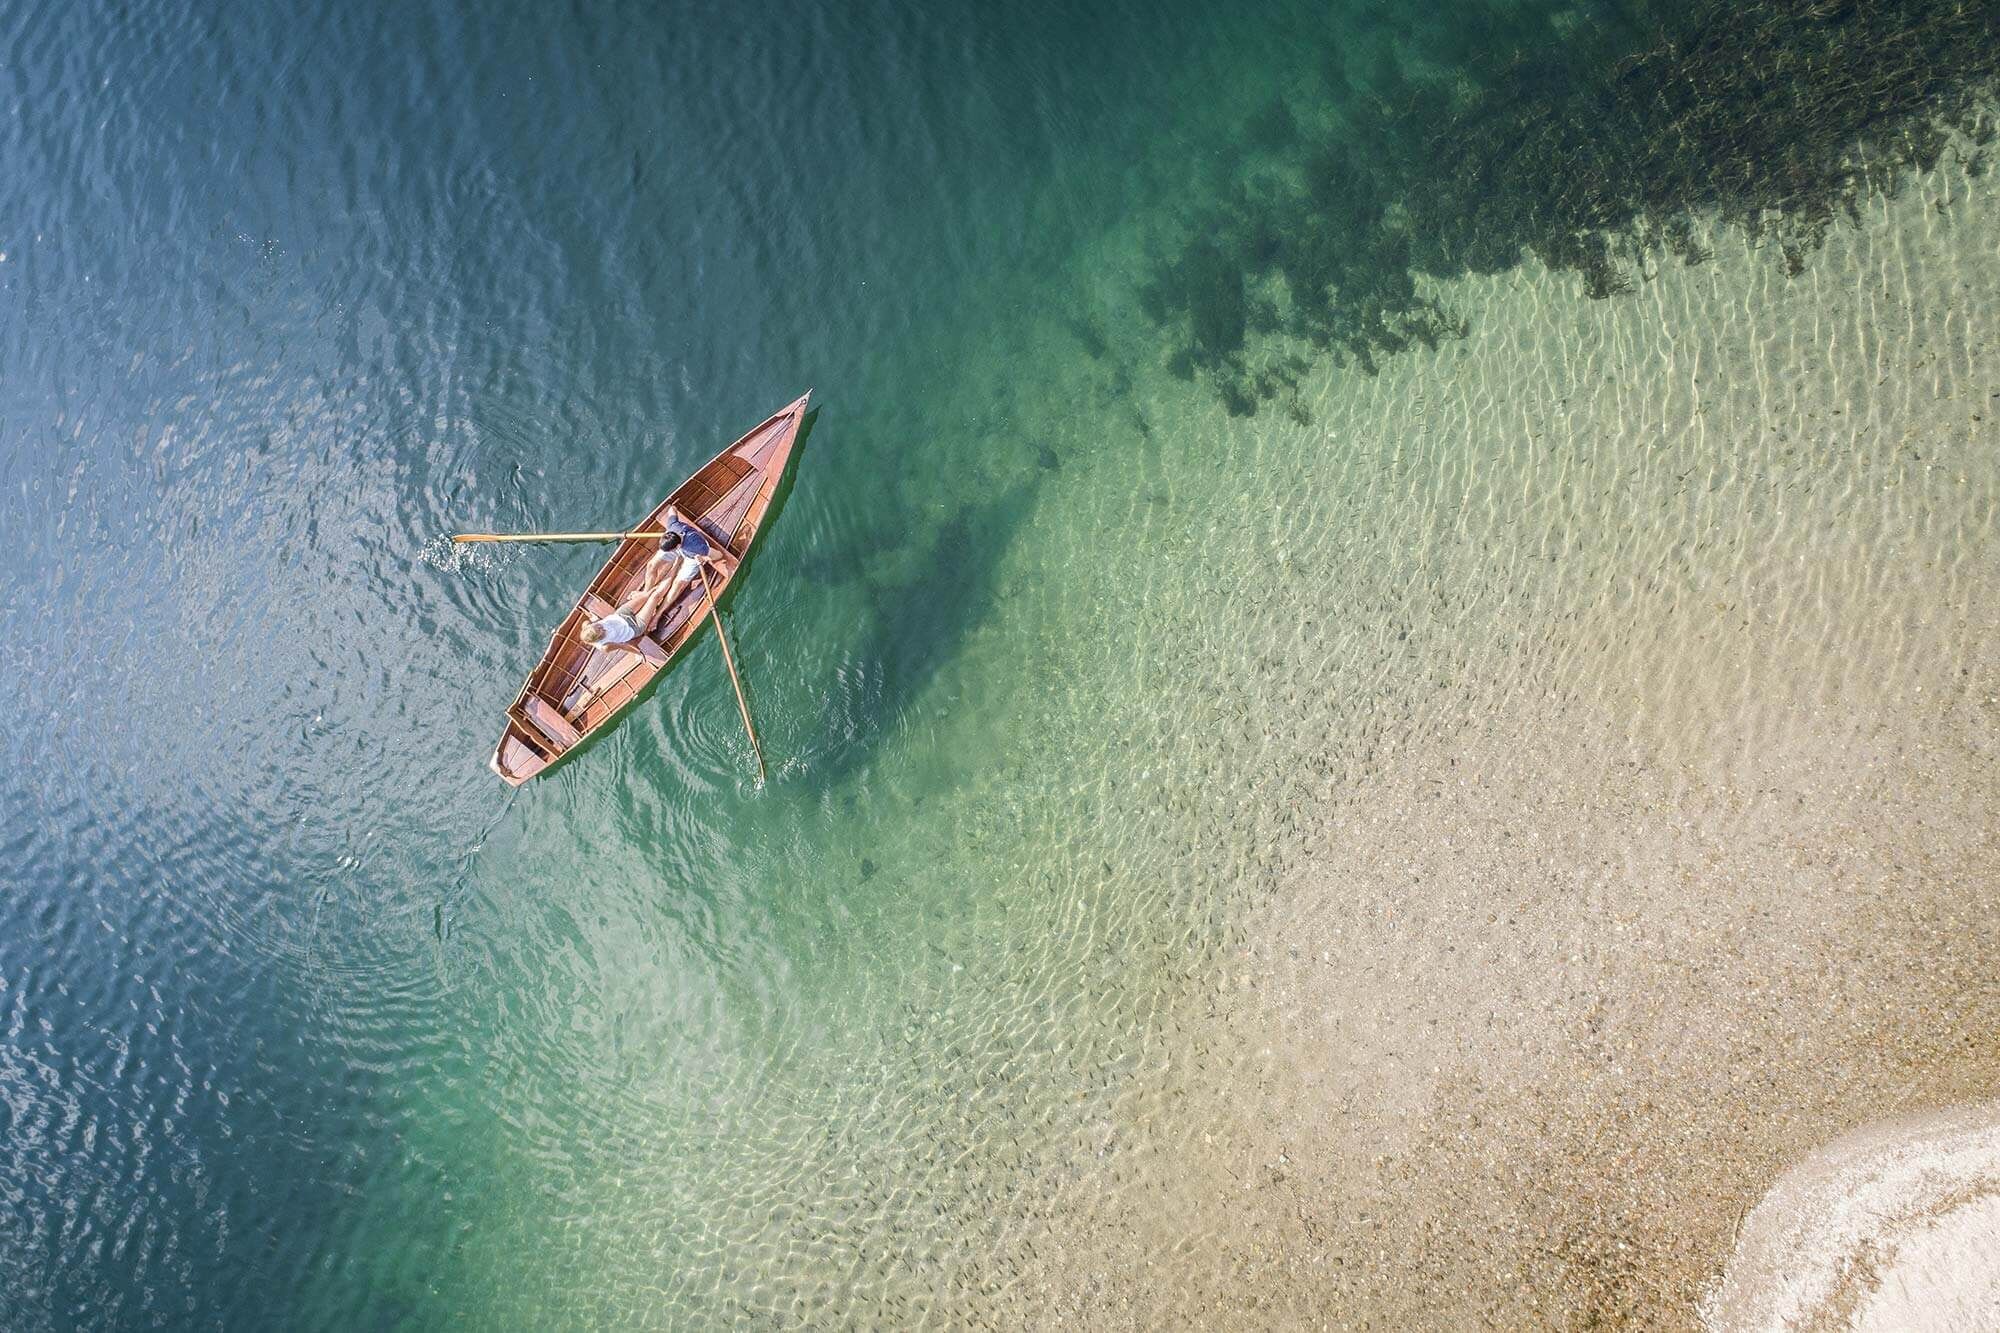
577, 689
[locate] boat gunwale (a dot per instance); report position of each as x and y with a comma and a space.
636, 679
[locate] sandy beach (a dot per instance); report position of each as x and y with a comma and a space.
1895, 1226
1674, 864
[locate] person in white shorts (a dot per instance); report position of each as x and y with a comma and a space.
683, 550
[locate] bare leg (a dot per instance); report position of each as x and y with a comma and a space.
654, 576
649, 609
657, 571
682, 577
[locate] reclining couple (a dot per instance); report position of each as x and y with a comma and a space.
683, 551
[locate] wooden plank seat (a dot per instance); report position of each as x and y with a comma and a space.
545, 719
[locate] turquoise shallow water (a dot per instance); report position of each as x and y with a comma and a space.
306, 1018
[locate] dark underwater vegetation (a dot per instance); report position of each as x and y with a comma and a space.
1466, 138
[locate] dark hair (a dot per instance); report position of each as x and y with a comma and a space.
670, 541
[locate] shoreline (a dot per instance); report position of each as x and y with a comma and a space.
1894, 1226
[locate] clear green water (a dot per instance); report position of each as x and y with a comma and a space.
308, 1020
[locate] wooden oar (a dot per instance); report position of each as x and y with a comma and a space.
550, 536
715, 614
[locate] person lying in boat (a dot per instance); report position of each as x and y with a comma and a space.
684, 540
683, 551
634, 616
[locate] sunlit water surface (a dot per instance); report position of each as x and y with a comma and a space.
306, 1018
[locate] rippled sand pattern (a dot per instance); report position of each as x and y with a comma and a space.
1440, 862
1609, 717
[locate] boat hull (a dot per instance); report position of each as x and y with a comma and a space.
578, 691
